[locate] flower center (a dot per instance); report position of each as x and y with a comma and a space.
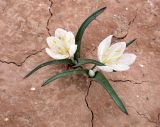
111, 58
61, 48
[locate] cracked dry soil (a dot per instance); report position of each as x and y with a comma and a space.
76, 101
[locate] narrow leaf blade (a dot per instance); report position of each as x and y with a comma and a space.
88, 61
100, 78
83, 27
66, 73
52, 62
130, 42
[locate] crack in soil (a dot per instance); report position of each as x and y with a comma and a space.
143, 115
129, 24
132, 21
158, 120
20, 64
127, 80
51, 14
89, 108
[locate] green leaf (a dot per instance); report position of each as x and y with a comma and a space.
100, 78
88, 61
82, 29
66, 73
130, 42
54, 62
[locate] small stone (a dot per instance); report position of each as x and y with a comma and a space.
33, 88
141, 65
126, 9
6, 119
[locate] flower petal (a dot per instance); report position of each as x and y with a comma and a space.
127, 58
70, 38
103, 46
54, 55
116, 50
72, 50
105, 68
120, 67
49, 41
59, 33
52, 42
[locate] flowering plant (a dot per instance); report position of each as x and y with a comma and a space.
64, 48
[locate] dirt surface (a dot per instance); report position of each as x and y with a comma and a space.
75, 101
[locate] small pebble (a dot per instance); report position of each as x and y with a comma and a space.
141, 65
33, 89
6, 119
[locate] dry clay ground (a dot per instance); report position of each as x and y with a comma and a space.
74, 101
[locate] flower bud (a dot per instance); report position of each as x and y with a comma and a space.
91, 73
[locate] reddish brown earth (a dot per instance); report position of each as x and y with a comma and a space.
74, 101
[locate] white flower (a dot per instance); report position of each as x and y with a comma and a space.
113, 56
62, 45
